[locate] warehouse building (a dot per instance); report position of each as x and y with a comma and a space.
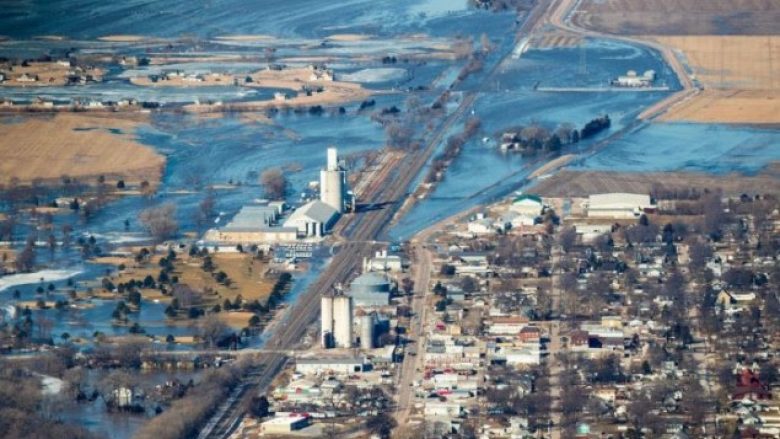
370, 290
284, 424
313, 219
618, 205
254, 224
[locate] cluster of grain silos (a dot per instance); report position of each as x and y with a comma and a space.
336, 321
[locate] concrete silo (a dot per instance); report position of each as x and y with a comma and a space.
342, 321
326, 321
367, 332
333, 182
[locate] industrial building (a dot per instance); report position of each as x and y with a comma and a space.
254, 224
336, 321
370, 290
284, 424
384, 262
313, 219
259, 223
618, 205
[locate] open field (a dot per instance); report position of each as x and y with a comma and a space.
745, 62
680, 17
80, 146
738, 73
729, 106
569, 183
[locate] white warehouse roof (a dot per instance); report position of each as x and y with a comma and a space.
315, 211
619, 200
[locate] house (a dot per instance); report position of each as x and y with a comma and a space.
313, 219
749, 386
589, 232
481, 226
618, 205
530, 334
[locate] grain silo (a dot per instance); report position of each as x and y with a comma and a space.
342, 321
367, 332
333, 182
326, 321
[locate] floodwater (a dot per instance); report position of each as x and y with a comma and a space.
718, 149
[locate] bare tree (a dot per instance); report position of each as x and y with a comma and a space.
160, 221
212, 330
274, 183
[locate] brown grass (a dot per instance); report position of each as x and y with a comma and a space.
680, 17
247, 275
746, 62
568, 183
75, 145
741, 80
724, 106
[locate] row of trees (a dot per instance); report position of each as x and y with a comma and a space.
534, 137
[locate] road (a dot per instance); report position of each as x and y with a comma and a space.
423, 264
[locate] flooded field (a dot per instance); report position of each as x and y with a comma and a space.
717, 149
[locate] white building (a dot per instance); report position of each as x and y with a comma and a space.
382, 261
336, 365
618, 205
284, 424
313, 219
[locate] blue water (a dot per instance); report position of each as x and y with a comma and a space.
717, 149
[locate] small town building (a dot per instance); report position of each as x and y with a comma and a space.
618, 205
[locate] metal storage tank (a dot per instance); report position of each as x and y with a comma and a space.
367, 332
342, 321
326, 320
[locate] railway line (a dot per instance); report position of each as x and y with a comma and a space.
360, 229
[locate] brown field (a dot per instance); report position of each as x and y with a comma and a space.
740, 78
568, 183
745, 62
77, 145
680, 17
725, 106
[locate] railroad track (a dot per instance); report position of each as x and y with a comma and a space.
359, 230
